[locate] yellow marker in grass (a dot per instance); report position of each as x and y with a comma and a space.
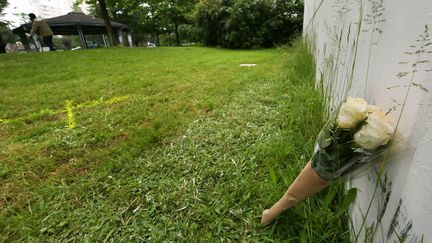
117, 99
70, 114
4, 120
103, 102
69, 110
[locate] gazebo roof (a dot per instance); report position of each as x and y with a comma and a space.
68, 25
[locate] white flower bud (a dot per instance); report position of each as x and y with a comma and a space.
352, 112
378, 130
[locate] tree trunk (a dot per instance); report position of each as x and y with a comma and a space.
107, 21
177, 34
157, 37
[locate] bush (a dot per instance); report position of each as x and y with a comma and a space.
6, 33
188, 33
249, 23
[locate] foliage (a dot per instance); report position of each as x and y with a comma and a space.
3, 4
189, 33
211, 18
244, 27
227, 23
249, 23
176, 12
150, 19
6, 33
133, 14
117, 11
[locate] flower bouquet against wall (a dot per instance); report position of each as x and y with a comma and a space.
357, 135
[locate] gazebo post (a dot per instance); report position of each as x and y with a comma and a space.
104, 40
130, 39
120, 36
82, 37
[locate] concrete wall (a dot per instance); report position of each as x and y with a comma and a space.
381, 50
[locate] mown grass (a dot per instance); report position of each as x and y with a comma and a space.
177, 144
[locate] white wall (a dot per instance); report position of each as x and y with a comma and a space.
381, 50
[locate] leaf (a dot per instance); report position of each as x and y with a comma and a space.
272, 173
303, 236
285, 178
61, 224
349, 199
330, 196
420, 87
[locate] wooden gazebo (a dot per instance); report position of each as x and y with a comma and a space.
76, 23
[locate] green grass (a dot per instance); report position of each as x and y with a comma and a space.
177, 144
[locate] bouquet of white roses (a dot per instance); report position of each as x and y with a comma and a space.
358, 134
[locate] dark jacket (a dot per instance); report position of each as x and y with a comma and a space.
41, 27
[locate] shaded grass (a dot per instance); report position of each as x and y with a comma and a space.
323, 217
196, 150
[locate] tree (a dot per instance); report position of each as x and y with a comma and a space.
244, 27
211, 17
6, 33
99, 8
177, 12
150, 18
3, 4
154, 22
107, 21
134, 14
173, 14
140, 16
189, 33
249, 23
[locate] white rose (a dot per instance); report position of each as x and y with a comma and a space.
352, 112
378, 131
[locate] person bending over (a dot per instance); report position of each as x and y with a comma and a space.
41, 27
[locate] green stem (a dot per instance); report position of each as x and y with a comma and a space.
313, 16
369, 57
356, 44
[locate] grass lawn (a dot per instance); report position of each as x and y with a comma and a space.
178, 144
